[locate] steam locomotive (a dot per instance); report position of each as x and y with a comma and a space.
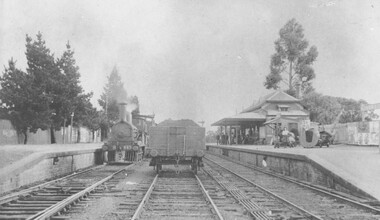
126, 142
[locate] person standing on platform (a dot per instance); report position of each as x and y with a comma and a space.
264, 162
217, 139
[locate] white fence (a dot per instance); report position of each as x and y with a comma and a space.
8, 135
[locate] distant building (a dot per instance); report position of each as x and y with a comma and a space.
142, 124
257, 122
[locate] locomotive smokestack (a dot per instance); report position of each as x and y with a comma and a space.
123, 113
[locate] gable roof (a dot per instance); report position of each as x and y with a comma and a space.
276, 96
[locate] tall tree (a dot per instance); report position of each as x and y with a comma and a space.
291, 64
113, 93
47, 79
73, 100
47, 93
21, 102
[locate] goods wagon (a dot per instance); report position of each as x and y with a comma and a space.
176, 145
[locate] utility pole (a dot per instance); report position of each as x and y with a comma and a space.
71, 129
64, 131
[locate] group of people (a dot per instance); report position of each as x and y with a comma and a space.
283, 135
240, 139
222, 139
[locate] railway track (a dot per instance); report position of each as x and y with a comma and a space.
118, 201
259, 204
228, 206
318, 204
177, 196
47, 200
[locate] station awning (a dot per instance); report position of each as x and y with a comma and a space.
240, 119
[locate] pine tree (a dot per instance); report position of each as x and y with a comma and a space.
20, 101
72, 99
47, 80
113, 94
46, 94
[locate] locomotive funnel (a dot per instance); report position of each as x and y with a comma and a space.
123, 113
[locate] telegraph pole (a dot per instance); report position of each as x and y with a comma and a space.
71, 128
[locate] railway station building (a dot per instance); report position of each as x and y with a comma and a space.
257, 123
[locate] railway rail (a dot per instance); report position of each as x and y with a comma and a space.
260, 204
318, 203
177, 196
47, 200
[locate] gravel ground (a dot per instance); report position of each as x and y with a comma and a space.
109, 207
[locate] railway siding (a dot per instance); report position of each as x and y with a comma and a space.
260, 204
50, 199
324, 205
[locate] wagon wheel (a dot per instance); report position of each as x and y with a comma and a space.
195, 168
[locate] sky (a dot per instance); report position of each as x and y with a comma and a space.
199, 59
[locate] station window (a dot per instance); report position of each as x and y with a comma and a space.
283, 108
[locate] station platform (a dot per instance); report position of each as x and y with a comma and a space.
358, 165
22, 164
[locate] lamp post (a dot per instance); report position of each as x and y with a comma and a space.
71, 128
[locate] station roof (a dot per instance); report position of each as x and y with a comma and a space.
240, 118
278, 96
279, 120
288, 113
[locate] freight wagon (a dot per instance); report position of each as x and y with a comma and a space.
177, 143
